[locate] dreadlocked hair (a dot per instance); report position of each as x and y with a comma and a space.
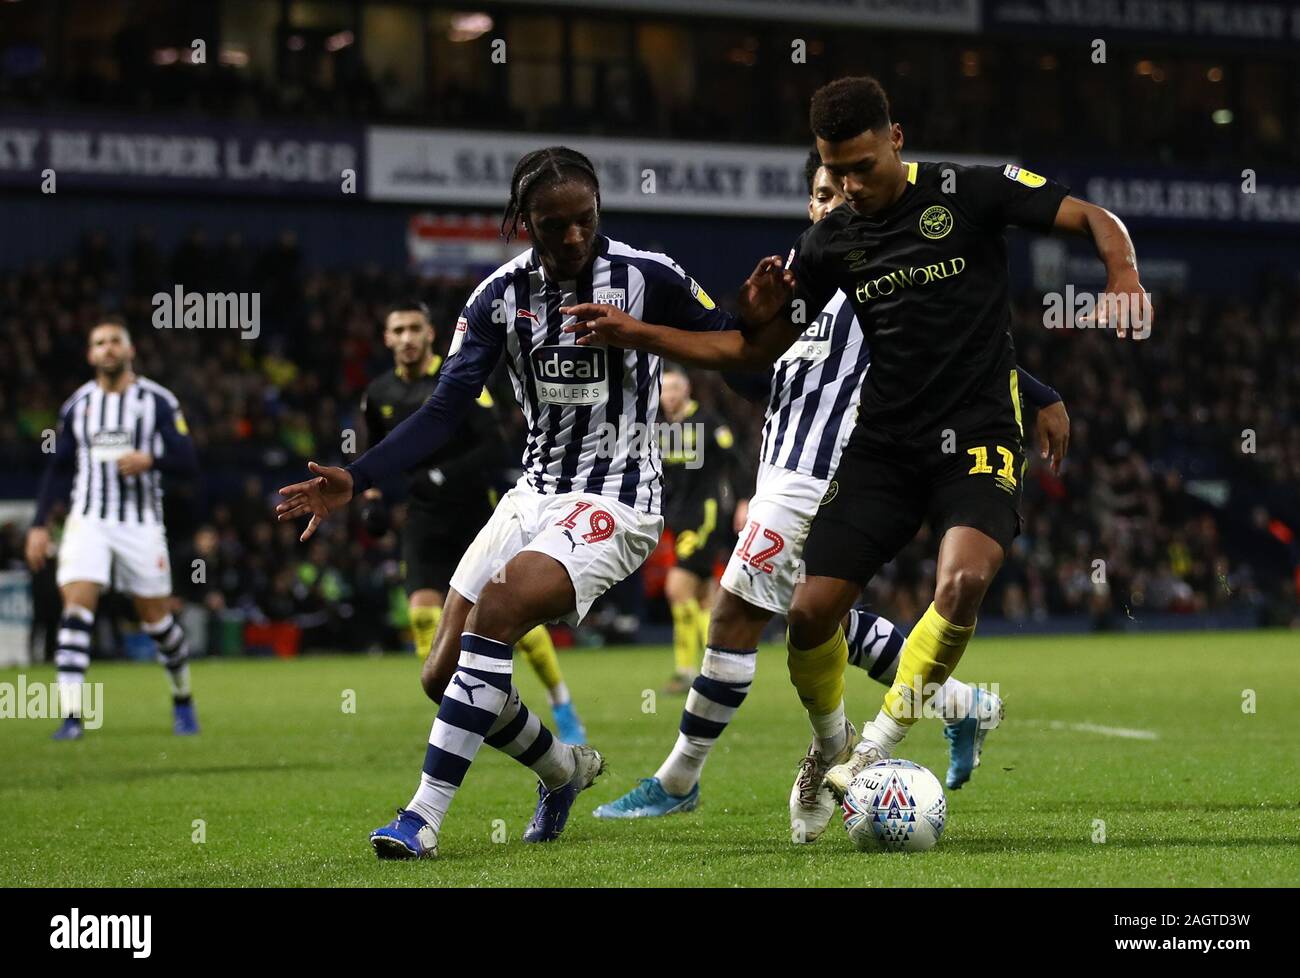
540, 168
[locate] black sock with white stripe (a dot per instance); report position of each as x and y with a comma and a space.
520, 733
876, 645
72, 656
715, 696
474, 699
173, 653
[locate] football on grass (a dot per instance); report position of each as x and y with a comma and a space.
895, 805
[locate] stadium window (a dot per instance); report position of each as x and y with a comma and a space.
1263, 88
318, 54
536, 71
131, 52
248, 33
725, 68
318, 14
467, 88
609, 81
392, 49
666, 51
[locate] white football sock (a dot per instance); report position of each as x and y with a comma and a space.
829, 732
558, 694
884, 731
714, 698
954, 700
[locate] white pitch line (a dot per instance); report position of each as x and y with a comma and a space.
1127, 732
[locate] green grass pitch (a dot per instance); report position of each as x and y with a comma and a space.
1144, 733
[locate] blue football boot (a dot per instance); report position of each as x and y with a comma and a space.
406, 837
966, 738
649, 800
185, 722
70, 729
553, 805
567, 725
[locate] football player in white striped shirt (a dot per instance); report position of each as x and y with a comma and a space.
584, 515
117, 434
812, 397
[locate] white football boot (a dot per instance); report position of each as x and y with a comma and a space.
837, 779
811, 805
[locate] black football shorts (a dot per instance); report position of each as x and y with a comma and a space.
882, 493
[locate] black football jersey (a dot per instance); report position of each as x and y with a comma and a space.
464, 469
928, 280
699, 458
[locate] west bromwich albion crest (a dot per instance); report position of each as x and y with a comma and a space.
611, 297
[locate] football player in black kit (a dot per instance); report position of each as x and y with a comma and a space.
700, 465
920, 250
450, 495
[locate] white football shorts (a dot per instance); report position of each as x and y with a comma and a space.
767, 561
132, 556
599, 540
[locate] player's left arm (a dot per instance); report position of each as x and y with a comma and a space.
177, 456
1126, 303
1052, 421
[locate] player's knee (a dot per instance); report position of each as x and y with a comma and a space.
501, 614
725, 622
435, 675
734, 623
811, 624
962, 588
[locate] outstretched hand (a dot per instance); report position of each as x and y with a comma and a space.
1124, 307
331, 490
766, 292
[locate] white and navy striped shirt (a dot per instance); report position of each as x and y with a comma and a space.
96, 428
815, 389
590, 411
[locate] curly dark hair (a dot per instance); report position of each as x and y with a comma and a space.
810, 167
848, 107
541, 168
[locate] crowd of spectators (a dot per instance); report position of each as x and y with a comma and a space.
1179, 494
